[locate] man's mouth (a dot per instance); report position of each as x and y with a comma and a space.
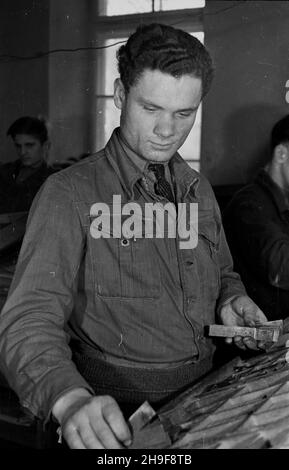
162, 146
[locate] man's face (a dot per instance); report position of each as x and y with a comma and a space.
158, 112
29, 149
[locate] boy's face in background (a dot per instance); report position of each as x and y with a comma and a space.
30, 150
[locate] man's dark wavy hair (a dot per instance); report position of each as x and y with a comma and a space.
280, 132
167, 49
30, 126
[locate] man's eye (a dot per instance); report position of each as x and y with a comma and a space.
149, 108
185, 115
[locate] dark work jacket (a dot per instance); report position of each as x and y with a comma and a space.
256, 223
15, 200
17, 196
140, 302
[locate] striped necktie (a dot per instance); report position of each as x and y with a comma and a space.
162, 186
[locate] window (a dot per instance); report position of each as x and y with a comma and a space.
120, 7
113, 32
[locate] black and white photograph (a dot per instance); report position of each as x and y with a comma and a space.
144, 228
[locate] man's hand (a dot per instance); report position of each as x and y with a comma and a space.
91, 422
242, 311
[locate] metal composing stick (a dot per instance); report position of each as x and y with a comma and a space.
268, 331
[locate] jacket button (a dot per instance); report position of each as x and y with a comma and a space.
124, 242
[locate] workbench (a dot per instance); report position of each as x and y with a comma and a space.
242, 405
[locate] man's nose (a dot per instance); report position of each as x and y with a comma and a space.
165, 126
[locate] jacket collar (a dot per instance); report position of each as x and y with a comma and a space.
186, 179
129, 173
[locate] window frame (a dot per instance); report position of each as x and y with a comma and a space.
109, 27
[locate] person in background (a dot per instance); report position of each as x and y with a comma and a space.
256, 222
19, 182
21, 179
100, 318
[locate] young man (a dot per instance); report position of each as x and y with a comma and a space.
257, 226
19, 182
133, 304
21, 179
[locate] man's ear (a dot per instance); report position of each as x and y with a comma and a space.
281, 153
119, 93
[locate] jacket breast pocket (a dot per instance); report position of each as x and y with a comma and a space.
124, 268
